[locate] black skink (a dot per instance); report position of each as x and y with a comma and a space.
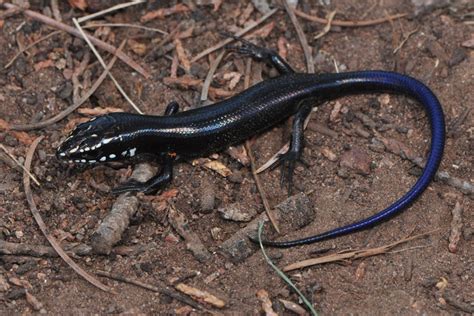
212, 128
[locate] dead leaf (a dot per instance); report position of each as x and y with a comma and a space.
282, 47
137, 47
360, 271
295, 308
264, 31
167, 195
22, 137
182, 56
21, 283
200, 295
99, 111
161, 13
78, 4
43, 64
1, 23
234, 78
218, 167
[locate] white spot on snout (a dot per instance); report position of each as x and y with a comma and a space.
112, 156
72, 151
83, 161
62, 154
92, 161
124, 153
87, 149
103, 158
133, 151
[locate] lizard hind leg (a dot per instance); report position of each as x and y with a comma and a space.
288, 160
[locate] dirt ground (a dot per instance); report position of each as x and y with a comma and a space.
420, 277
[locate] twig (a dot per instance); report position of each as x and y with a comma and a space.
405, 40
72, 108
69, 29
231, 39
111, 9
248, 148
301, 36
327, 28
30, 46
141, 27
33, 250
102, 62
165, 290
210, 75
20, 165
36, 214
350, 255
349, 23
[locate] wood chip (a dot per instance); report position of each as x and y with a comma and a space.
200, 295
295, 308
456, 228
33, 301
43, 64
262, 296
328, 153
218, 167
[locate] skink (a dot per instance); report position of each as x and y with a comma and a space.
212, 128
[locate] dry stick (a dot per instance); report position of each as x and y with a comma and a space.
238, 34
301, 36
24, 249
19, 164
405, 40
349, 255
248, 147
30, 46
36, 214
111, 9
162, 290
349, 23
69, 29
102, 62
72, 108
210, 75
327, 28
141, 27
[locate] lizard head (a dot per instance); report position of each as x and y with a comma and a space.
99, 140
